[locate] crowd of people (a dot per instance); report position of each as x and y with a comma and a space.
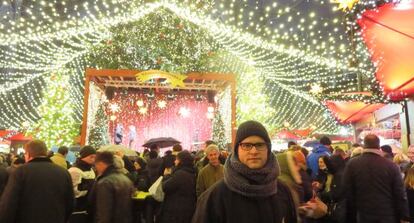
367, 184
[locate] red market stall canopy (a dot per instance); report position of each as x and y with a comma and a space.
351, 111
19, 137
287, 135
295, 134
388, 32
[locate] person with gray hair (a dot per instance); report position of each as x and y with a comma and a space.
213, 172
36, 186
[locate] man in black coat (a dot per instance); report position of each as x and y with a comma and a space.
250, 191
111, 196
38, 191
374, 188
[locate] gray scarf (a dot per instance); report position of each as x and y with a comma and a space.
251, 182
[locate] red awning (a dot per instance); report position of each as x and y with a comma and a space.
288, 135
351, 111
19, 137
304, 133
388, 32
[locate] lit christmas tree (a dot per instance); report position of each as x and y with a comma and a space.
98, 135
56, 125
219, 135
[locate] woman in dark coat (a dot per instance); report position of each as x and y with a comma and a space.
179, 188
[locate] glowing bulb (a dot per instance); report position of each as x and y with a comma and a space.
113, 117
114, 107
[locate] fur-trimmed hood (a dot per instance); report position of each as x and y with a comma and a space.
289, 171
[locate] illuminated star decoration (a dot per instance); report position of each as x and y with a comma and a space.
162, 104
345, 4
143, 110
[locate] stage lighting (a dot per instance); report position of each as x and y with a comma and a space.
198, 97
151, 95
171, 96
113, 118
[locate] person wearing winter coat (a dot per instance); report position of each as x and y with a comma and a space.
374, 189
154, 166
289, 175
320, 150
111, 195
211, 173
38, 191
179, 189
409, 188
250, 191
331, 189
83, 176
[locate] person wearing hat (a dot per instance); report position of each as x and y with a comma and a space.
83, 177
211, 173
250, 191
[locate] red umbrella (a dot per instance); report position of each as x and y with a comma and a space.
388, 32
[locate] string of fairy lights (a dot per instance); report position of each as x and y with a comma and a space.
283, 48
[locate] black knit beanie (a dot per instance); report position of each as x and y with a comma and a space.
251, 128
86, 151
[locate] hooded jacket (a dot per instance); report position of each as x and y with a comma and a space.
318, 151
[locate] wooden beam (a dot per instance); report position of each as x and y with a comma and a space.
85, 111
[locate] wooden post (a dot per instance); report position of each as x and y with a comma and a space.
233, 111
85, 109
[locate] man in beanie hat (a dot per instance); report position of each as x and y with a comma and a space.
250, 191
83, 177
211, 173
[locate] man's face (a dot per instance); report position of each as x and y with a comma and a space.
254, 157
213, 158
90, 159
100, 167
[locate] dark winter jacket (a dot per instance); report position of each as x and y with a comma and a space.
4, 175
111, 198
37, 192
374, 190
335, 166
306, 184
180, 196
154, 167
410, 196
141, 180
221, 205
313, 158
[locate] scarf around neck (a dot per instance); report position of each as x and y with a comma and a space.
251, 182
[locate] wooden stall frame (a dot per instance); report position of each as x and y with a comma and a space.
90, 73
